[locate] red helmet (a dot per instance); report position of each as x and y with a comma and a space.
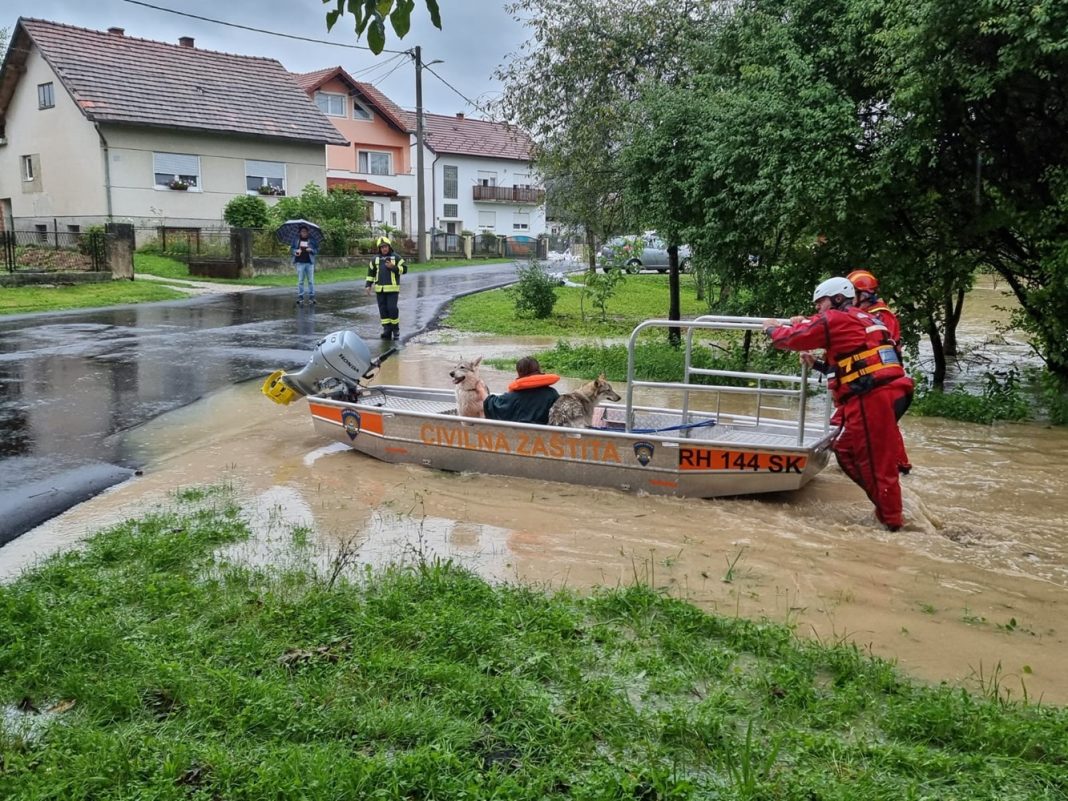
863, 281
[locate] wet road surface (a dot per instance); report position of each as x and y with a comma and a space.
71, 382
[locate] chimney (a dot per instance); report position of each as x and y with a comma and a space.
117, 31
185, 41
459, 115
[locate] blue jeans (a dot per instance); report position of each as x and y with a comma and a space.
305, 272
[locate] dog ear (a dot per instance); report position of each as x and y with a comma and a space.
477, 362
601, 378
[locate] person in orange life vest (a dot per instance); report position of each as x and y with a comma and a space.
867, 287
383, 278
865, 363
528, 398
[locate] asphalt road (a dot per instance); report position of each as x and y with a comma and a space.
72, 382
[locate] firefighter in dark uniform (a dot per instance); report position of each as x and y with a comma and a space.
383, 278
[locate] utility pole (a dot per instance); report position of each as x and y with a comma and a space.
420, 192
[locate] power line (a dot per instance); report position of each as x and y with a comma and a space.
259, 30
464, 97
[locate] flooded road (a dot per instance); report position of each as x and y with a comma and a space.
975, 585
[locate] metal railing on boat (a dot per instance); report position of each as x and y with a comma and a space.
723, 323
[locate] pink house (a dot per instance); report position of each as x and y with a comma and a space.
377, 160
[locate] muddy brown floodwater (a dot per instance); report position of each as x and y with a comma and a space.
976, 585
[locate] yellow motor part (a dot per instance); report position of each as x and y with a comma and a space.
277, 390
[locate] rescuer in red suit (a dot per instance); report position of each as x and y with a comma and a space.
866, 366
867, 289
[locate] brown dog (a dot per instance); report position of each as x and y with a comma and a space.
470, 388
575, 409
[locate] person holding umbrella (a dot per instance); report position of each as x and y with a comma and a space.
303, 239
383, 278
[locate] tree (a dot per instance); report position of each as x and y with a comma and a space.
571, 87
246, 211
339, 212
371, 15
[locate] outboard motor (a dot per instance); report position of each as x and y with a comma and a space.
340, 361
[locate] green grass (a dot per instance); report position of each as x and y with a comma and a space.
638, 297
165, 267
24, 299
172, 673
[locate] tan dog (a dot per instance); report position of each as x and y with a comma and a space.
470, 388
575, 409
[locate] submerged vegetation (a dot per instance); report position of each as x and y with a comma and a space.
153, 664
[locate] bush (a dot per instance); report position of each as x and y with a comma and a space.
600, 287
535, 292
92, 241
1000, 399
246, 211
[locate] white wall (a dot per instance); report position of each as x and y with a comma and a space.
69, 179
468, 169
222, 170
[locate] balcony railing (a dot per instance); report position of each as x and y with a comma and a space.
509, 194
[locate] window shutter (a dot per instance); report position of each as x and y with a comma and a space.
175, 164
265, 169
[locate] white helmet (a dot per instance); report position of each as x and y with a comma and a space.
835, 286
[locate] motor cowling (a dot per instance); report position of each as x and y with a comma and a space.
339, 357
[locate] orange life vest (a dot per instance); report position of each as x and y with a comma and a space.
533, 381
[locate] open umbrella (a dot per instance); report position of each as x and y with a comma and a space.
289, 232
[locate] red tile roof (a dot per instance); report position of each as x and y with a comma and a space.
122, 79
310, 81
468, 137
360, 185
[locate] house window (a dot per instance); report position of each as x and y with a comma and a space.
171, 170
360, 111
486, 178
451, 181
487, 219
374, 162
74, 229
42, 232
520, 221
46, 95
522, 181
331, 105
450, 210
393, 218
28, 171
265, 177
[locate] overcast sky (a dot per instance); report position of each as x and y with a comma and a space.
476, 37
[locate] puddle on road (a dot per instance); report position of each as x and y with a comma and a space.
984, 546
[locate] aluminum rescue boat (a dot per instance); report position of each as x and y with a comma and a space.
699, 452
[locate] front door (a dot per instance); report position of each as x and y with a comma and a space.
452, 227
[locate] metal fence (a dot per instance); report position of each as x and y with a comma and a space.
48, 249
446, 244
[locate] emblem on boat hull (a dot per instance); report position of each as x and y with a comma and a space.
350, 421
644, 452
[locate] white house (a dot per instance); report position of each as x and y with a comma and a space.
98, 126
479, 178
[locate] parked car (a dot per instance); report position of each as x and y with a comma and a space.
652, 255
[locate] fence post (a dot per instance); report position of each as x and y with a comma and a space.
55, 232
241, 250
469, 246
119, 249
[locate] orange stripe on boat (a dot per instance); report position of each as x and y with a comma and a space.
397, 450
369, 421
656, 482
331, 413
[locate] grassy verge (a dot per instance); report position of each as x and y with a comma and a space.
146, 666
25, 299
637, 298
165, 267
